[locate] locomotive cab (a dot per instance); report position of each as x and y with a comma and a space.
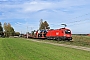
67, 34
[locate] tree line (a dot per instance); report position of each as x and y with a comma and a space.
7, 30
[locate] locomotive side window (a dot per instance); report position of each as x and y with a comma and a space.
67, 32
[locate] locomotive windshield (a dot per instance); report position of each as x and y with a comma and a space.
67, 32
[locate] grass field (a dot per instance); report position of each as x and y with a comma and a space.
21, 49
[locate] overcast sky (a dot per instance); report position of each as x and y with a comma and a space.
23, 13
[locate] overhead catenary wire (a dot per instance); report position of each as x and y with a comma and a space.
78, 21
80, 16
72, 23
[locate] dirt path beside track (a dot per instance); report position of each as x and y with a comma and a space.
64, 45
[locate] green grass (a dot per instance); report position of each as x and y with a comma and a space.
21, 49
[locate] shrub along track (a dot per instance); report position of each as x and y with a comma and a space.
64, 45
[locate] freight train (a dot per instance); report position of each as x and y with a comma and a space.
53, 34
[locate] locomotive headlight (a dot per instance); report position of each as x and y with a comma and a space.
68, 35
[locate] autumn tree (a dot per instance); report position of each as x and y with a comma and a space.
41, 23
44, 25
9, 30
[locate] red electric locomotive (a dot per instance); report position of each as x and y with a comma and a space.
57, 34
